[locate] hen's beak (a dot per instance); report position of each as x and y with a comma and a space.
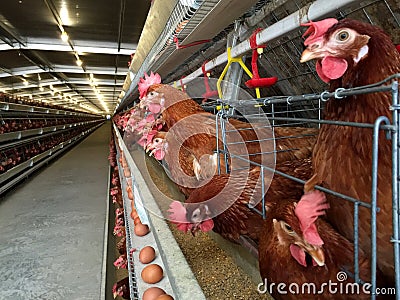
309, 54
149, 147
115, 294
317, 254
315, 50
194, 229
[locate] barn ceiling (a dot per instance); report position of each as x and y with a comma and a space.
36, 62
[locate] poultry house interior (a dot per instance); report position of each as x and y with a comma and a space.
199, 149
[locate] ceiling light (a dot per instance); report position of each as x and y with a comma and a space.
41, 88
79, 62
64, 36
64, 15
25, 82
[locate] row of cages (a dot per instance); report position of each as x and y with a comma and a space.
13, 154
8, 98
32, 131
20, 123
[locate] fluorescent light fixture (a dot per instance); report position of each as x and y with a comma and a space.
25, 83
41, 88
79, 62
64, 36
64, 15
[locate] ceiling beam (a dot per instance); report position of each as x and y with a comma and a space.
46, 83
63, 69
81, 46
10, 31
121, 23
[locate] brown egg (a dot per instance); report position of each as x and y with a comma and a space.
124, 164
136, 220
147, 255
133, 204
134, 213
130, 194
141, 229
152, 293
127, 172
165, 297
152, 273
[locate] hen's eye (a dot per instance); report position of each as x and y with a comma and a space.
288, 228
342, 36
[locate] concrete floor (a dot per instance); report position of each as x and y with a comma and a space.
52, 227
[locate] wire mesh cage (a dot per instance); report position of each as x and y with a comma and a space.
386, 126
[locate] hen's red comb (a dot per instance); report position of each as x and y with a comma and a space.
317, 29
178, 216
146, 82
309, 208
150, 136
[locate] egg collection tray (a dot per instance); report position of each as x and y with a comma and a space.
135, 243
178, 279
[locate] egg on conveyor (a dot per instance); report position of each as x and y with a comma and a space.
141, 229
152, 293
164, 297
152, 273
147, 255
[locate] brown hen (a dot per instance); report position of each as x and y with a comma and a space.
304, 254
349, 54
223, 202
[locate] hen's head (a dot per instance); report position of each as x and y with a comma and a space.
121, 288
296, 229
340, 45
157, 145
199, 215
146, 82
191, 217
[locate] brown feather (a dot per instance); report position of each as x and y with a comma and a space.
237, 219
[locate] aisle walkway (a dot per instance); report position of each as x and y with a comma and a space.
52, 227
